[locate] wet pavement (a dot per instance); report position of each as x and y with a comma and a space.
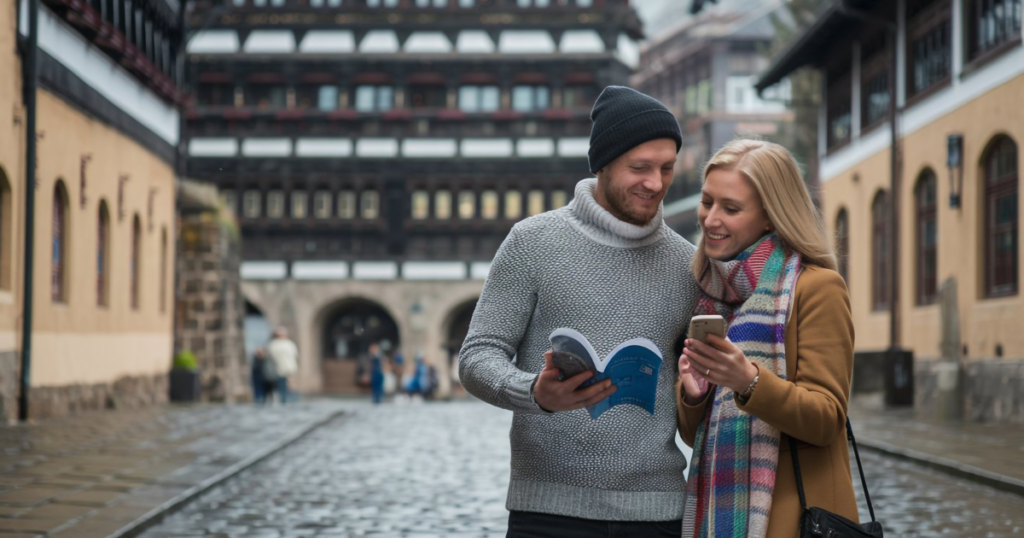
992, 454
442, 469
97, 474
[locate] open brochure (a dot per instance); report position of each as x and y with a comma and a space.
633, 367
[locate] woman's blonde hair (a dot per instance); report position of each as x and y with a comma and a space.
774, 173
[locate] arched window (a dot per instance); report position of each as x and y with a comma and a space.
103, 256
1001, 241
927, 238
843, 244
880, 285
163, 270
6, 222
134, 269
59, 247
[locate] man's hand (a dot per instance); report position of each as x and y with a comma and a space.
554, 395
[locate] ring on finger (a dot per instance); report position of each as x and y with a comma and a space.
708, 372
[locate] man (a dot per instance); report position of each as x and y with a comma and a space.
285, 355
607, 266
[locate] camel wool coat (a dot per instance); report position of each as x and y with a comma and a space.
810, 405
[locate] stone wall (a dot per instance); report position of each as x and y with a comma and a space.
10, 372
209, 307
991, 390
125, 393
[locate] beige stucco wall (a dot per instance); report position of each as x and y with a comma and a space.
984, 322
12, 150
78, 341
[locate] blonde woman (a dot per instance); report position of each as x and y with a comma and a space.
764, 262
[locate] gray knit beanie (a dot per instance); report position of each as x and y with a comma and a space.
625, 118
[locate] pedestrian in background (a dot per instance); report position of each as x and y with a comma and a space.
376, 373
285, 355
256, 375
767, 266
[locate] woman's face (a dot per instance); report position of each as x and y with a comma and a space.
731, 214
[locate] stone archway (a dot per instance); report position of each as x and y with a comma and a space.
347, 329
456, 327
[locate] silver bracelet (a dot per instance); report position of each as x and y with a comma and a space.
746, 394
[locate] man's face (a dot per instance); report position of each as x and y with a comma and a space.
632, 186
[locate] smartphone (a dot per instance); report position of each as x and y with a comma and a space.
702, 326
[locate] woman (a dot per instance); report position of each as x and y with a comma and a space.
764, 262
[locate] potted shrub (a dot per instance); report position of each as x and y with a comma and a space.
184, 380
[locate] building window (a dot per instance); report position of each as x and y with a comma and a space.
300, 205
839, 116
427, 96
420, 205
579, 96
275, 204
429, 3
991, 23
929, 51
384, 3
467, 3
102, 256
374, 98
5, 232
347, 205
559, 199
533, 3
327, 98
266, 97
880, 272
489, 205
925, 195
216, 95
442, 205
369, 205
467, 205
535, 203
479, 98
843, 245
530, 98
513, 205
230, 201
874, 82
163, 270
322, 204
59, 247
1001, 218
251, 202
134, 269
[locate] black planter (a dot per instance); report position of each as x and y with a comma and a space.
185, 385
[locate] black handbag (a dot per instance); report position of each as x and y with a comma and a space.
820, 523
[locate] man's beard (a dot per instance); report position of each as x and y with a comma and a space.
619, 206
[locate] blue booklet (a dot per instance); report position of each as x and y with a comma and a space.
633, 367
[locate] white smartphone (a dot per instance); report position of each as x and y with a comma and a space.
702, 326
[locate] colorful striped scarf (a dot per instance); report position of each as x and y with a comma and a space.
735, 457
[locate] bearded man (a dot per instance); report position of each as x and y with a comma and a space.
609, 267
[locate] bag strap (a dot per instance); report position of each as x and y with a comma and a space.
860, 469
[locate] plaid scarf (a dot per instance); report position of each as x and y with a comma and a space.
735, 457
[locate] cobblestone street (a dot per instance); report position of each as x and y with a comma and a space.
442, 469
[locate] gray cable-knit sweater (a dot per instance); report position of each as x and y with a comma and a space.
582, 268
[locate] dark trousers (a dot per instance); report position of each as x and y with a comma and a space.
537, 525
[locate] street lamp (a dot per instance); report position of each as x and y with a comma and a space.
955, 163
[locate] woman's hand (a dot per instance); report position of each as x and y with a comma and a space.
720, 362
695, 387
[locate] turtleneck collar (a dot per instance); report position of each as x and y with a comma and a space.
596, 222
